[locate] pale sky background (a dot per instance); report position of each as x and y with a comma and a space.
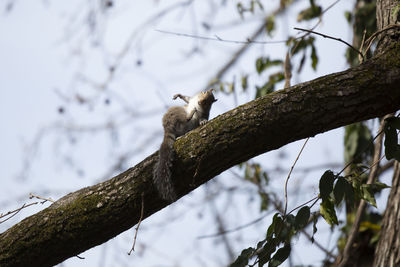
45, 52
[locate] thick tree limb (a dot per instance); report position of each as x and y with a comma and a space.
92, 215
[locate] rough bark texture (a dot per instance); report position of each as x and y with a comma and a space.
386, 15
92, 215
387, 252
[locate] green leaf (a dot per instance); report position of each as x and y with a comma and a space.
290, 219
240, 9
302, 60
302, 217
339, 190
378, 186
309, 13
392, 148
265, 255
221, 87
243, 258
314, 57
270, 25
302, 45
276, 225
315, 229
394, 122
231, 87
326, 184
349, 192
244, 82
356, 188
368, 194
328, 212
349, 16
263, 63
358, 143
264, 90
261, 243
280, 256
284, 233
265, 200
269, 87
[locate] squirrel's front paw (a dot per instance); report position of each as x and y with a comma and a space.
203, 122
176, 96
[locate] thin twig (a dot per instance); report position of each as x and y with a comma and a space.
237, 228
128, 44
138, 225
315, 199
42, 198
360, 59
259, 31
219, 39
290, 172
386, 167
333, 38
370, 40
279, 208
221, 227
15, 212
315, 26
327, 252
235, 57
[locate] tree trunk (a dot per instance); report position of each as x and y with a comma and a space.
387, 253
387, 13
95, 214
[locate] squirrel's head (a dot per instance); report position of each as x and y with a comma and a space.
207, 97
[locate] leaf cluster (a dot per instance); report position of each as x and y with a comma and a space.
334, 188
313, 11
251, 8
276, 247
254, 174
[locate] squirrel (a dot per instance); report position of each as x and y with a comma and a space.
177, 121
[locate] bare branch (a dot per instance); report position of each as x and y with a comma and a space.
42, 198
371, 39
237, 228
137, 227
15, 212
219, 39
290, 172
333, 38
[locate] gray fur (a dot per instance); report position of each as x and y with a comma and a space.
177, 121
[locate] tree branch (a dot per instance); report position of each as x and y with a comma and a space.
93, 215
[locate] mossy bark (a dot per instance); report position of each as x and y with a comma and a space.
93, 215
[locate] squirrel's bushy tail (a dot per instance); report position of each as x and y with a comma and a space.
162, 171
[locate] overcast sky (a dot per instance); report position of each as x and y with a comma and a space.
47, 58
